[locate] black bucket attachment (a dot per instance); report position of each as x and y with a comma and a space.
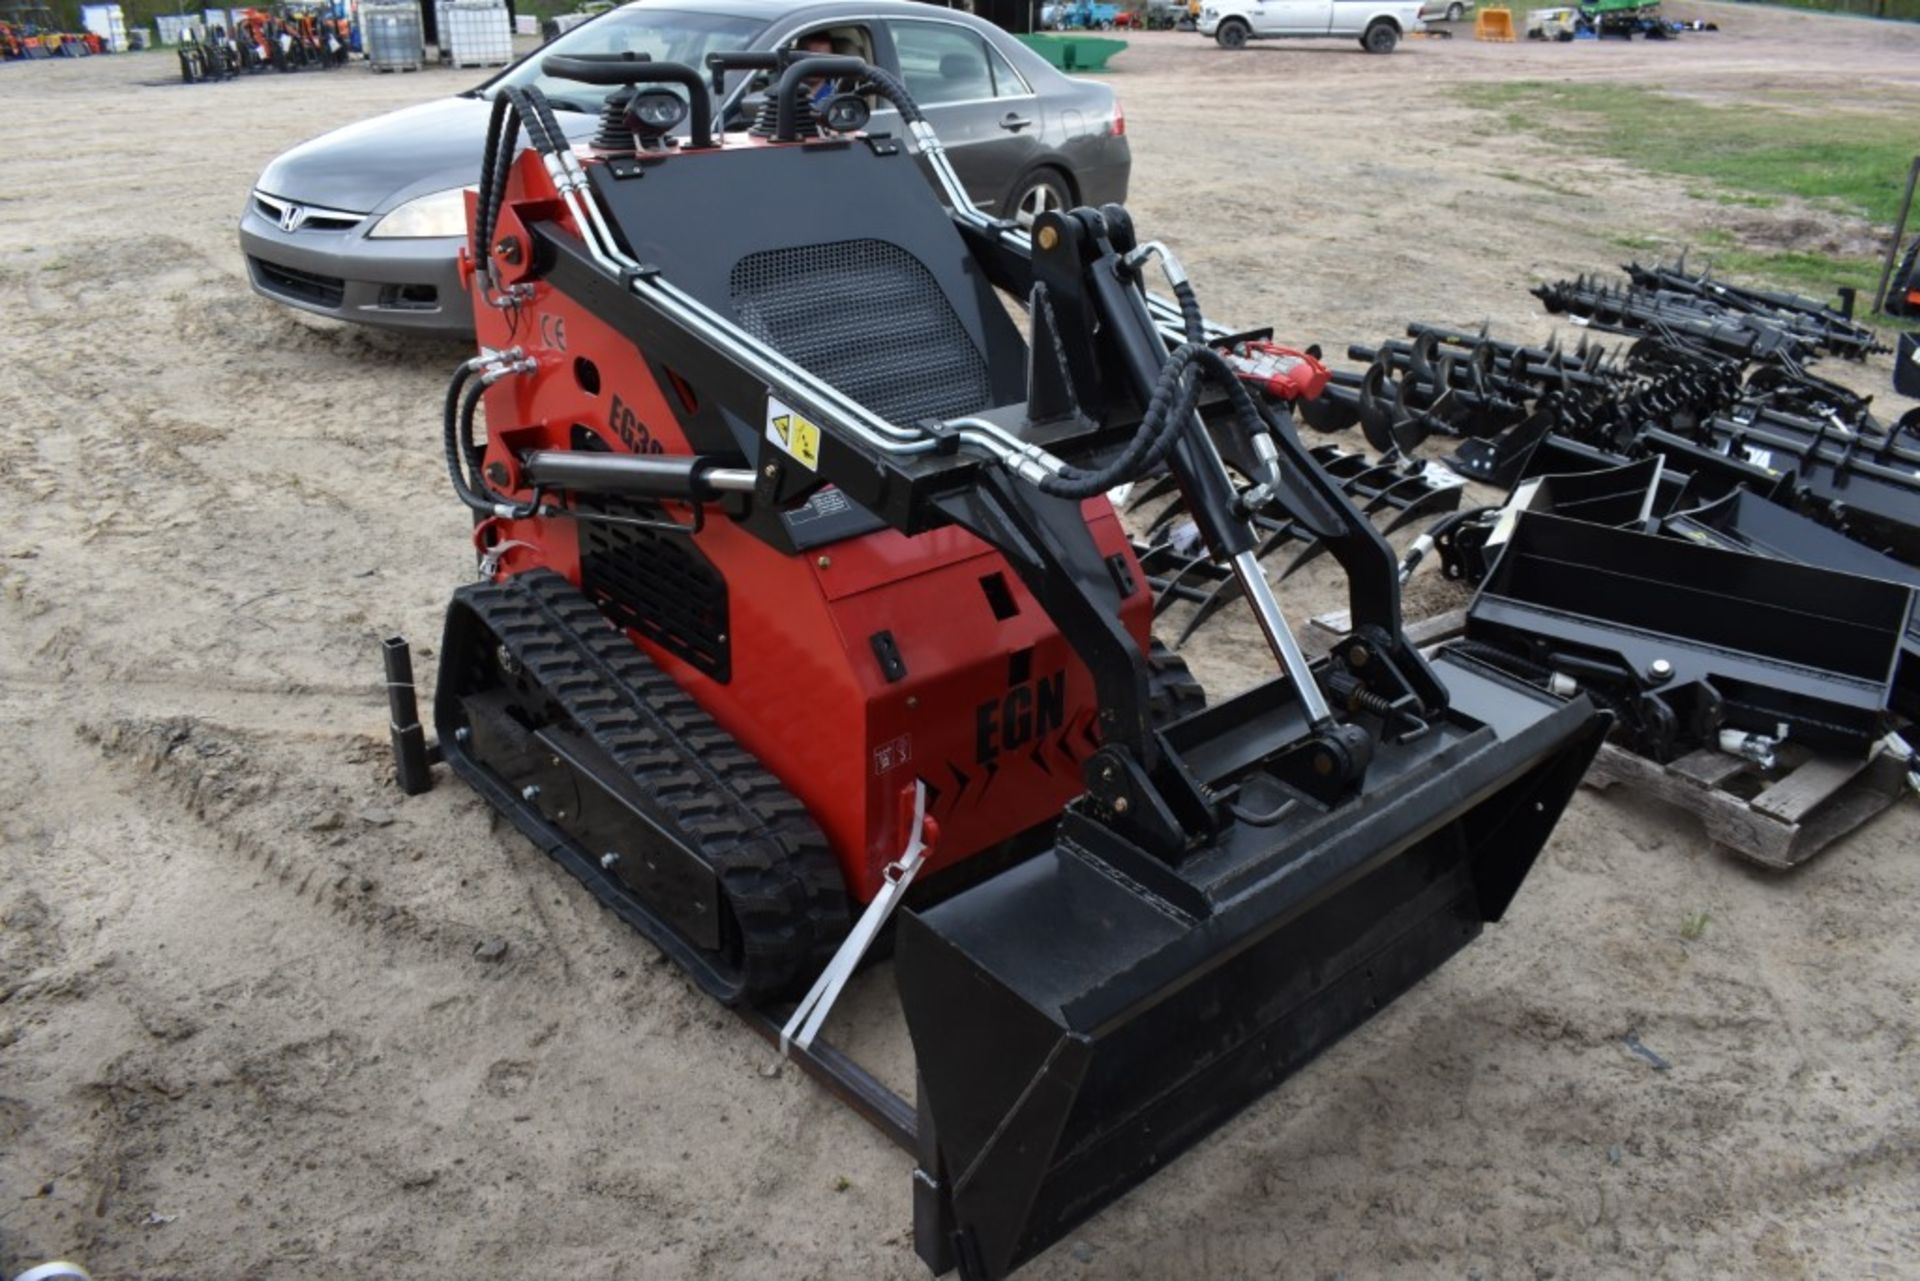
1747, 522
1078, 1026
1688, 639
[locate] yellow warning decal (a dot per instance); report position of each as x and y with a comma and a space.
794, 434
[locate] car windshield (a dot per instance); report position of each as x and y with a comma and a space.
665, 35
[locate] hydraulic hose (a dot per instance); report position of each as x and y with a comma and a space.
1512, 664
514, 109
1170, 409
451, 416
1434, 533
481, 234
503, 140
536, 113
1533, 673
1175, 396
464, 391
1191, 318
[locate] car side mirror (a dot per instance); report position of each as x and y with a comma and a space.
746, 110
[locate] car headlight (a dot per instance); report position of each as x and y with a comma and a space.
438, 214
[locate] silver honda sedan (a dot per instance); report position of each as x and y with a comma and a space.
364, 223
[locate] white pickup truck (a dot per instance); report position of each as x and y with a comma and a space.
1376, 24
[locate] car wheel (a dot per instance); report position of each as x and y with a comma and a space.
1232, 35
1380, 38
1455, 12
1042, 191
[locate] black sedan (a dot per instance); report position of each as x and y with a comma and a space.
363, 223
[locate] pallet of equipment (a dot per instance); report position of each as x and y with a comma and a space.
474, 33
1780, 822
390, 30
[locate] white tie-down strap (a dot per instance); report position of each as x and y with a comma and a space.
490, 563
812, 1012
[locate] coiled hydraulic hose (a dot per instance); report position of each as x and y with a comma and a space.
464, 391
1170, 409
451, 417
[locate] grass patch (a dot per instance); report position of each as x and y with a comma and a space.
1816, 274
1736, 198
1854, 160
1753, 156
1905, 10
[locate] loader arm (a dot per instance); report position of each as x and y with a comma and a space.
1112, 340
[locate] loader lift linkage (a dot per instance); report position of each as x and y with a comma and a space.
727, 473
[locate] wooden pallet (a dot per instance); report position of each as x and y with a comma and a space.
1323, 631
1778, 822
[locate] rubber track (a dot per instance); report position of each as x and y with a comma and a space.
776, 869
1172, 689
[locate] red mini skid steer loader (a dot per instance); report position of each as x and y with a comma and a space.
800, 601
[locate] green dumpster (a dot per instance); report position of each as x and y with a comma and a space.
1074, 53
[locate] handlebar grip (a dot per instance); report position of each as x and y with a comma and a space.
744, 60
608, 69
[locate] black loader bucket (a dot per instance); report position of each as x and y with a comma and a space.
1077, 1028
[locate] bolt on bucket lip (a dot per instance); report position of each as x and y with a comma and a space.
1076, 1030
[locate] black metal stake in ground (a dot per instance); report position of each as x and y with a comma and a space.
410, 756
1899, 234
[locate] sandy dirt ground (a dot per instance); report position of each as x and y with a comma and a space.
248, 1023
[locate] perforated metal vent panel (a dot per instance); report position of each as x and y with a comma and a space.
869, 318
657, 583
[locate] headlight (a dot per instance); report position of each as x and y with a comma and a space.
440, 214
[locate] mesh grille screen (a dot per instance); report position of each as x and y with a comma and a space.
657, 583
867, 317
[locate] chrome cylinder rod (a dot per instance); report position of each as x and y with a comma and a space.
1266, 611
